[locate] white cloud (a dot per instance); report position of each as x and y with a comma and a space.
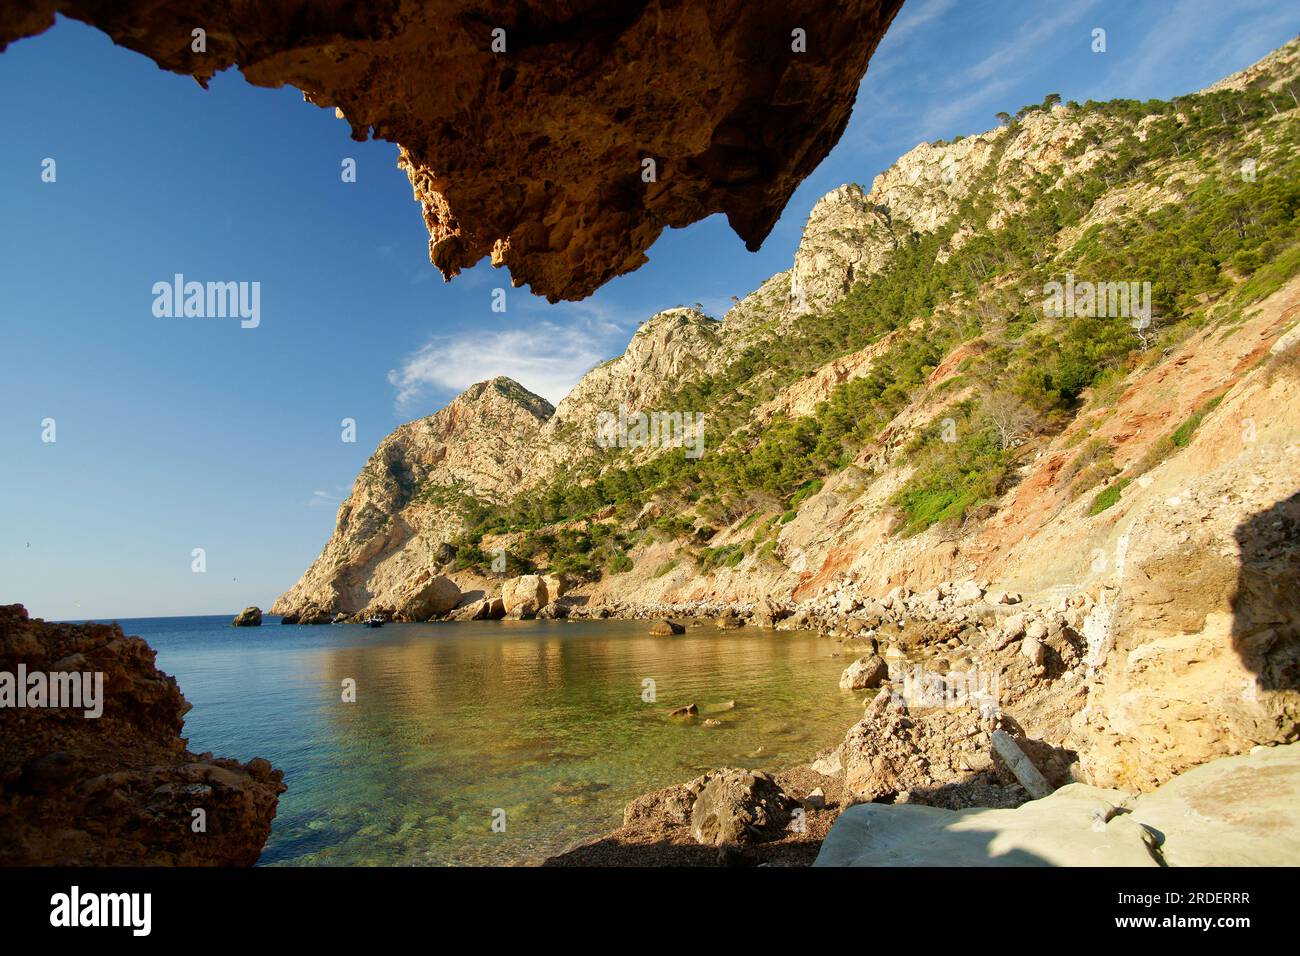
547, 356
323, 499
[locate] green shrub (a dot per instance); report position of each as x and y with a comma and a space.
1108, 496
664, 568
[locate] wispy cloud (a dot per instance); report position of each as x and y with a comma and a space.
547, 356
1245, 30
913, 17
323, 499
954, 94
1028, 44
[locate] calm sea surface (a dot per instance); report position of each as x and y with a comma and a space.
454, 722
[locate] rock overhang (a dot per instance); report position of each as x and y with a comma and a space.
557, 139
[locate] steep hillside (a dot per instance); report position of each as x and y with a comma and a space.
923, 295
1059, 357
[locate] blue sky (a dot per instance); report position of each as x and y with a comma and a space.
176, 434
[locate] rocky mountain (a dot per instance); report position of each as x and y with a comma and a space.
905, 408
400, 512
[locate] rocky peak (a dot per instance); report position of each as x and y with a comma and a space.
451, 445
669, 345
481, 443
502, 395
851, 234
847, 235
1276, 71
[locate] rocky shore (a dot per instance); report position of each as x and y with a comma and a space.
976, 702
118, 787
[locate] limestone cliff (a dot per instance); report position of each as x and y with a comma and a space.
401, 510
668, 348
526, 128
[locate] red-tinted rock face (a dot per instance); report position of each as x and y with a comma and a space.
539, 154
119, 789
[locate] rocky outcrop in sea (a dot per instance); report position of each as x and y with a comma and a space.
93, 767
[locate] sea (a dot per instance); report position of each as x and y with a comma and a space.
489, 742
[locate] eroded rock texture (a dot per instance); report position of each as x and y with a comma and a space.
119, 789
535, 155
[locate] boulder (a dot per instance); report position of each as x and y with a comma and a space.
1033, 651
866, 672
1235, 811
728, 619
800, 618
1075, 826
556, 585
527, 588
968, 592
438, 595
666, 629
552, 611
496, 609
927, 599
522, 612
766, 614
474, 611
313, 614
739, 807
248, 617
690, 710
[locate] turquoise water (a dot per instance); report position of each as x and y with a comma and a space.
454, 724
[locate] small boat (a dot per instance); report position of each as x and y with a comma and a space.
373, 622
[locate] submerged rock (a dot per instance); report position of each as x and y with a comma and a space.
666, 629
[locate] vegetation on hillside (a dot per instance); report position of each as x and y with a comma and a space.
1227, 241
